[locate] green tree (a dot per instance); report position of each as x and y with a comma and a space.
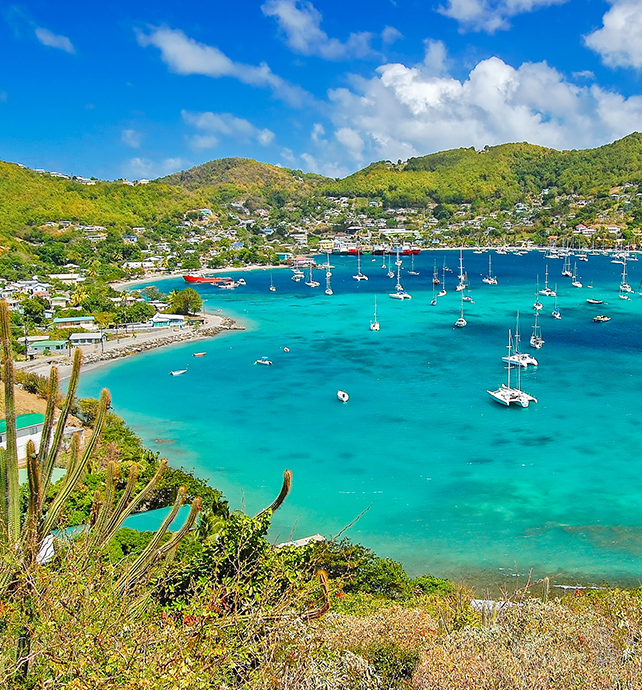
186, 301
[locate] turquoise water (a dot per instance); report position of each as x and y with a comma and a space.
453, 483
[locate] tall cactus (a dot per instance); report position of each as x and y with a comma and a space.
23, 539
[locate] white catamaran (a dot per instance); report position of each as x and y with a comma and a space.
506, 394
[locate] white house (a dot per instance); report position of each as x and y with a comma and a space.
83, 339
167, 320
29, 428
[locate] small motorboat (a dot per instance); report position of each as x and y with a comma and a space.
342, 396
590, 300
241, 281
601, 318
199, 354
265, 361
177, 372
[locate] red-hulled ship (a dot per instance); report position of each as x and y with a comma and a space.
190, 278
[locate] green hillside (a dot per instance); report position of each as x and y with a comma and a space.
504, 173
28, 198
233, 179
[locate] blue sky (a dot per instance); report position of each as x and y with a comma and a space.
141, 89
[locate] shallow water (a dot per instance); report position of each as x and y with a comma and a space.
453, 483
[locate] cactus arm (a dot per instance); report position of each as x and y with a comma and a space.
325, 606
11, 455
150, 553
45, 439
62, 420
197, 506
121, 514
107, 504
278, 501
75, 472
4, 496
35, 499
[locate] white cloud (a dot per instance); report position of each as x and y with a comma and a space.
144, 168
619, 41
131, 138
184, 55
327, 168
352, 141
408, 111
390, 35
47, 38
490, 15
211, 126
300, 23
318, 132
288, 156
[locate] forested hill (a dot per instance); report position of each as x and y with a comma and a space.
258, 184
508, 172
28, 198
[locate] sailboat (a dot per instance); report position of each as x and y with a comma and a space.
547, 292
328, 288
517, 358
556, 312
435, 277
536, 340
359, 276
505, 394
490, 279
467, 296
537, 305
374, 324
433, 301
575, 282
272, 286
412, 271
400, 292
383, 259
625, 288
566, 269
311, 282
462, 276
443, 292
461, 321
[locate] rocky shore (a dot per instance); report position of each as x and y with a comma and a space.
131, 345
226, 324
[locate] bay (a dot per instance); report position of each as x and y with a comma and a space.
452, 483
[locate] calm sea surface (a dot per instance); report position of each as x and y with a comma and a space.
454, 484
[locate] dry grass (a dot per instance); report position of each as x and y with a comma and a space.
540, 646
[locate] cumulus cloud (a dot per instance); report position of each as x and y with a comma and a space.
131, 138
184, 55
48, 38
490, 15
144, 168
212, 126
408, 111
619, 41
300, 24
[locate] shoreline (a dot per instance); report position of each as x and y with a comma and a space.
132, 345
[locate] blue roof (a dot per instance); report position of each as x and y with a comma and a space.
62, 319
23, 420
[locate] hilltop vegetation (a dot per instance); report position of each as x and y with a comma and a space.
258, 184
30, 199
505, 174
